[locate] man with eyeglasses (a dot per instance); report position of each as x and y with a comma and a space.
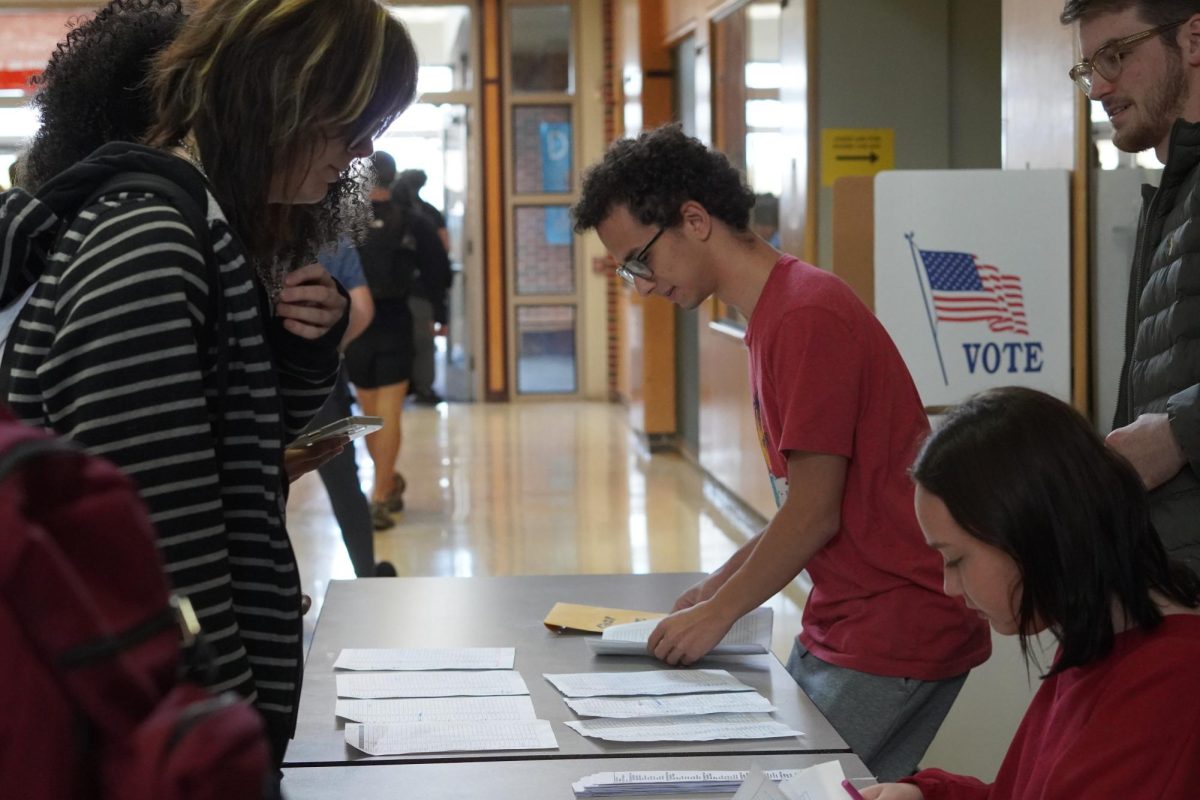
883, 652
1141, 60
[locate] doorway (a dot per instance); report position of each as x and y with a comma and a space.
435, 135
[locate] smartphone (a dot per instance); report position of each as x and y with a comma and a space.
352, 427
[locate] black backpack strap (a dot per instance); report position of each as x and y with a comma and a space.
195, 212
16, 455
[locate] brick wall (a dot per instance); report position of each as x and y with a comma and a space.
527, 139
542, 267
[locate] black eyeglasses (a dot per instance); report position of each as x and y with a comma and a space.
636, 266
1107, 59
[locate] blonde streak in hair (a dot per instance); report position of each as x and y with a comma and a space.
240, 23
368, 83
180, 84
242, 17
285, 9
299, 114
220, 25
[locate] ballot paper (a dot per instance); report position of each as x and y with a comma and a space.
646, 783
675, 705
759, 786
819, 782
374, 685
669, 781
417, 658
449, 737
437, 709
700, 728
646, 682
750, 634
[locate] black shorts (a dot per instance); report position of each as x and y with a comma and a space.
383, 355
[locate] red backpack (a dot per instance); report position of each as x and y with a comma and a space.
90, 659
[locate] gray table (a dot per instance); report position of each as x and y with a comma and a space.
501, 612
520, 780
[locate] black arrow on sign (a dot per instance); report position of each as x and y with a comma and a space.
872, 158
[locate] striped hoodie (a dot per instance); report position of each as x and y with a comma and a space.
117, 349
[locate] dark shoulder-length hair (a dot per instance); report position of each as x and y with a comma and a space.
261, 85
1023, 472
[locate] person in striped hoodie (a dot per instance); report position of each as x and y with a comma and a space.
191, 363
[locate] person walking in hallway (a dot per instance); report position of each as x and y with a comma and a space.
883, 652
340, 473
379, 363
428, 301
1141, 60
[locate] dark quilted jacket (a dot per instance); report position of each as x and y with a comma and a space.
1162, 334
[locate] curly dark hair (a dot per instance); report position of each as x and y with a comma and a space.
655, 174
93, 90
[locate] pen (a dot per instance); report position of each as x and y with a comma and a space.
850, 790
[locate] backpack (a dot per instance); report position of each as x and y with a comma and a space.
389, 255
90, 656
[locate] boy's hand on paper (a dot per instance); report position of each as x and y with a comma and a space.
892, 791
698, 593
686, 636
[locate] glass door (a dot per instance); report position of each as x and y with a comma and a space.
544, 293
435, 136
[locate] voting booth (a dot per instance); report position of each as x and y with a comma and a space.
973, 278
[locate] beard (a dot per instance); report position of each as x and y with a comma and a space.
1159, 111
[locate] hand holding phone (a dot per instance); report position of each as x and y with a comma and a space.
350, 428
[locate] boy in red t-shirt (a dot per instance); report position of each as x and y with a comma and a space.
883, 652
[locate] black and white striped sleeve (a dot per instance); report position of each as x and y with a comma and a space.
124, 376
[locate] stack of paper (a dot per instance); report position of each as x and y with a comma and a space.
432, 704
820, 782
655, 682
446, 737
700, 728
672, 706
373, 685
701, 705
436, 709
750, 634
403, 658
671, 781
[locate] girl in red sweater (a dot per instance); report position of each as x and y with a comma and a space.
1043, 528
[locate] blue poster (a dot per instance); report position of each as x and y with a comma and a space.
556, 156
558, 225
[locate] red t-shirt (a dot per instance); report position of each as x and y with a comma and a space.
826, 378
1125, 727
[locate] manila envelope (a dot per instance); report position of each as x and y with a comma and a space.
592, 619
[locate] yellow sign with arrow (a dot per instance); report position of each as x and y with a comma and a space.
856, 151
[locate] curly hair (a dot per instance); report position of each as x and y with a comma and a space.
655, 174
261, 86
93, 90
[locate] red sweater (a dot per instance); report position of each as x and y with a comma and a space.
1126, 727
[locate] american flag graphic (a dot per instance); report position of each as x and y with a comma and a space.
966, 291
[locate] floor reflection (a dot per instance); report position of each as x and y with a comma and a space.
533, 489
